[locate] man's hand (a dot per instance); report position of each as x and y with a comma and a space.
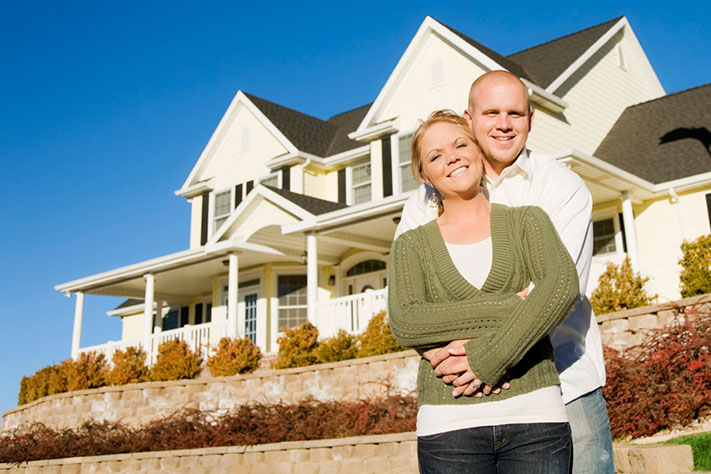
438, 355
456, 370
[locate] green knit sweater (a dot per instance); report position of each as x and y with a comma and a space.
431, 302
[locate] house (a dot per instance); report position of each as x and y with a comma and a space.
293, 216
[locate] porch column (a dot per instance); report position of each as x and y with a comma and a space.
630, 232
78, 318
158, 322
311, 277
232, 282
148, 314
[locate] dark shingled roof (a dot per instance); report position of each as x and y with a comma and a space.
310, 134
549, 60
663, 139
314, 205
129, 302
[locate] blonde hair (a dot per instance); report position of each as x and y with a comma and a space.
438, 116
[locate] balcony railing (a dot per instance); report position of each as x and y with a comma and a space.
351, 313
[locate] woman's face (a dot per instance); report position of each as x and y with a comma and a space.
451, 161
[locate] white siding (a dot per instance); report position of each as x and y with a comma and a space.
195, 221
132, 327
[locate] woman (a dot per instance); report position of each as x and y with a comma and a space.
457, 277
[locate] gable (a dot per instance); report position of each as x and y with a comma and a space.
253, 215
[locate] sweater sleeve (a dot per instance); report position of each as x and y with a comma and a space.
556, 289
417, 321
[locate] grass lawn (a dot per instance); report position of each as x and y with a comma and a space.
700, 446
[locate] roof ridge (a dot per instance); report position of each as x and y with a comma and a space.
252, 96
614, 20
669, 95
348, 111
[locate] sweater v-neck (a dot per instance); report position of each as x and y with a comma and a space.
500, 258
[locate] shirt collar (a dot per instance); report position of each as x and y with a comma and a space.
522, 164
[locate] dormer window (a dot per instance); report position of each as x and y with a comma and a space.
222, 209
361, 183
271, 179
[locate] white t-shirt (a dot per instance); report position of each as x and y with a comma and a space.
539, 180
544, 405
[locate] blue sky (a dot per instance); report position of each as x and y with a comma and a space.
106, 106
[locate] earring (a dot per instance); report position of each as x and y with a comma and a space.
434, 201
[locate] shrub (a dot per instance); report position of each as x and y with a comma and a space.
46, 381
85, 372
175, 361
378, 338
342, 346
663, 383
129, 366
234, 356
620, 288
696, 267
297, 347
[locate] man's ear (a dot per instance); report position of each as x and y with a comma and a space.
468, 117
530, 120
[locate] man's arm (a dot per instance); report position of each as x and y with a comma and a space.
418, 210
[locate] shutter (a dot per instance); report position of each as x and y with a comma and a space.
238, 194
622, 231
204, 218
387, 168
708, 205
250, 185
198, 313
184, 311
286, 178
342, 186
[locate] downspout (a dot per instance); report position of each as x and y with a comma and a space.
675, 200
303, 166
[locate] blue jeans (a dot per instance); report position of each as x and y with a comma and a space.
543, 448
590, 426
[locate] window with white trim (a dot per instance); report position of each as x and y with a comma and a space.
222, 209
604, 236
272, 179
291, 300
407, 181
361, 183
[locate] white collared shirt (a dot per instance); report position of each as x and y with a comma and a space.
539, 180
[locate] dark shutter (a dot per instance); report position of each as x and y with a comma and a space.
622, 230
208, 313
238, 194
198, 313
708, 205
184, 311
387, 168
342, 186
250, 185
286, 178
205, 215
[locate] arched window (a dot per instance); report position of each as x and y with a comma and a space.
366, 266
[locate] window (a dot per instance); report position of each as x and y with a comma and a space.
244, 139
291, 294
222, 208
361, 183
366, 266
621, 60
436, 72
270, 180
250, 317
407, 181
604, 236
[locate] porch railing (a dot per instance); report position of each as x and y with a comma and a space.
351, 313
201, 337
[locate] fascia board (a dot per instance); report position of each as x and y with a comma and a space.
544, 98
379, 129
649, 73
267, 194
346, 157
284, 160
136, 308
343, 216
240, 98
683, 184
195, 189
586, 55
607, 168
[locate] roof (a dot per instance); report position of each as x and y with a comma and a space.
547, 61
313, 205
129, 302
310, 134
663, 139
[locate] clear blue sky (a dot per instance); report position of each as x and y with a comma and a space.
106, 106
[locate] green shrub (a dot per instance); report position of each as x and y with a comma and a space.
696, 267
175, 361
377, 338
342, 346
234, 356
620, 288
297, 347
129, 366
88, 371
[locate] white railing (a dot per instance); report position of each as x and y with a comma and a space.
201, 337
351, 313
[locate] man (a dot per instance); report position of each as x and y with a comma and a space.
500, 117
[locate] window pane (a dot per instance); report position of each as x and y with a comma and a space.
272, 181
366, 267
292, 294
361, 194
361, 174
222, 203
407, 182
604, 236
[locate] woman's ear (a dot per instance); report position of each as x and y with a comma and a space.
424, 178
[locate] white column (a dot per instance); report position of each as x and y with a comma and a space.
232, 288
148, 314
630, 232
78, 318
158, 323
311, 277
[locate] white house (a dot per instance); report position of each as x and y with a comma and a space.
293, 216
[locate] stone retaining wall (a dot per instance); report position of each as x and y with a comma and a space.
395, 453
137, 404
627, 328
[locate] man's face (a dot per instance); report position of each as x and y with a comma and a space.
500, 119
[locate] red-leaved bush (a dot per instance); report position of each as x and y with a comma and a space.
246, 425
664, 382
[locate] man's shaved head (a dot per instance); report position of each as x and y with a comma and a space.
499, 75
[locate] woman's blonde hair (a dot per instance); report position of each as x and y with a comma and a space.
438, 116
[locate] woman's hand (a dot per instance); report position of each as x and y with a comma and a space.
467, 383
